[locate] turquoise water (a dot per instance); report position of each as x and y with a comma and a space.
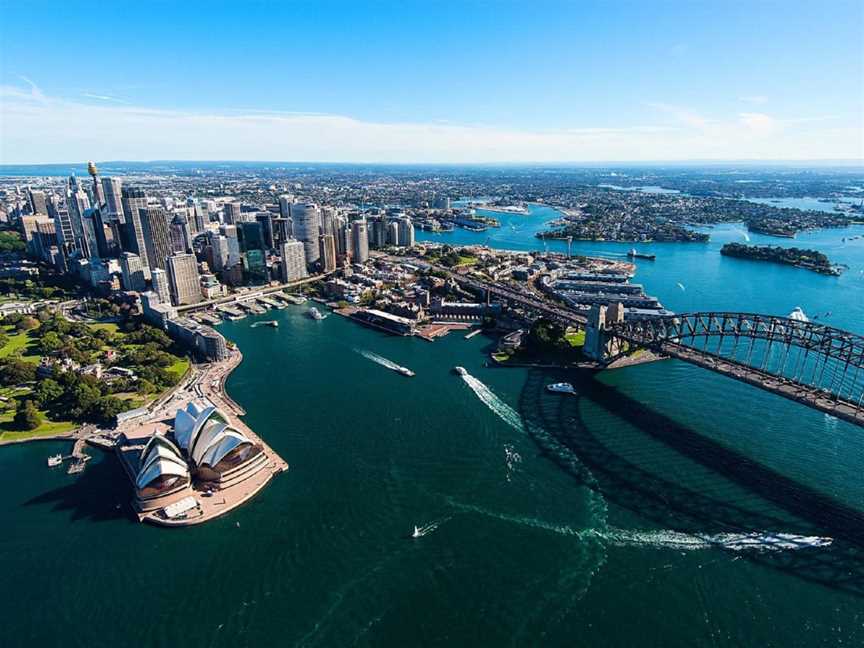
602, 519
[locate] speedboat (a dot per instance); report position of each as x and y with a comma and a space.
416, 533
405, 371
561, 388
460, 370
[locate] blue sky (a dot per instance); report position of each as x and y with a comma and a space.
431, 81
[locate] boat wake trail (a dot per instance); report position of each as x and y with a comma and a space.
760, 541
426, 529
488, 397
750, 541
374, 357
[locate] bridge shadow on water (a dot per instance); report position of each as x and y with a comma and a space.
99, 494
558, 427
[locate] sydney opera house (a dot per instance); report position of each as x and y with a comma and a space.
201, 454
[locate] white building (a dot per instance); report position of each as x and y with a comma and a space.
293, 261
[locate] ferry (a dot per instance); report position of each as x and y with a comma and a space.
315, 314
561, 388
633, 254
460, 371
55, 460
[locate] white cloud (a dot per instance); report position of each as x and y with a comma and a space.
754, 99
39, 129
103, 97
759, 124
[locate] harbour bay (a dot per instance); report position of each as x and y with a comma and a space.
563, 522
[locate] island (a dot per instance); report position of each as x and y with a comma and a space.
807, 259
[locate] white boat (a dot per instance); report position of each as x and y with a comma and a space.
405, 371
315, 314
55, 460
561, 388
416, 533
460, 370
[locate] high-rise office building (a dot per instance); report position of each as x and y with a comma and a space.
132, 270
62, 224
154, 227
346, 242
202, 216
112, 188
255, 267
378, 232
90, 241
77, 203
293, 261
233, 243
160, 285
36, 200
183, 276
251, 236
406, 233
281, 230
328, 252
360, 240
179, 235
133, 200
393, 233
266, 221
285, 205
231, 213
307, 228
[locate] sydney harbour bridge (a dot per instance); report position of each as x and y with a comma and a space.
816, 365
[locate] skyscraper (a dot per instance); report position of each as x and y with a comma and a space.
293, 261
112, 188
133, 201
360, 239
36, 200
160, 285
179, 235
406, 233
230, 234
133, 272
231, 213
328, 252
285, 206
154, 227
266, 220
307, 228
183, 275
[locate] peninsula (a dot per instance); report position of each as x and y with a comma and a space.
807, 259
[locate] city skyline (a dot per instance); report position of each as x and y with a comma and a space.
461, 84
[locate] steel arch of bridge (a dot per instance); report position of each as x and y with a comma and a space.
817, 365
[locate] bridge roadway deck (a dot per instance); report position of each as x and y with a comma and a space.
811, 397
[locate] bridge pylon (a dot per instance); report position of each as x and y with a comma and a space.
599, 345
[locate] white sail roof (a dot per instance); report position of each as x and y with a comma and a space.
160, 457
224, 443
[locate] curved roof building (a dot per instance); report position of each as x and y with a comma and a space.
162, 468
208, 440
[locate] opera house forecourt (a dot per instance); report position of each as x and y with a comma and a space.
196, 467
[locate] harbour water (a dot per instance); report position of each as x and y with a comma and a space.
662, 505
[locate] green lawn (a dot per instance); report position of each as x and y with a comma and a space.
576, 339
24, 342
48, 427
111, 327
179, 368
